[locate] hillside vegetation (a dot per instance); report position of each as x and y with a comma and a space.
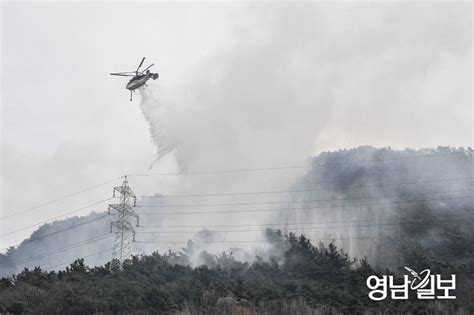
427, 225
311, 279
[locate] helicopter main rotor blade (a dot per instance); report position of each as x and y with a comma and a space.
123, 74
140, 64
147, 68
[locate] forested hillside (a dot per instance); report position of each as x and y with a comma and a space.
311, 279
413, 199
386, 209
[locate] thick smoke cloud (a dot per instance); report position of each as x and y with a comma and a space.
300, 79
303, 78
297, 80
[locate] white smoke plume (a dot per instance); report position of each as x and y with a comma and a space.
308, 78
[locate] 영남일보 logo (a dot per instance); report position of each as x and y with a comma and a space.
426, 285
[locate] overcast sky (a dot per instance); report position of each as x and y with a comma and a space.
282, 80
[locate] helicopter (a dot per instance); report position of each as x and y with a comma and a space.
139, 77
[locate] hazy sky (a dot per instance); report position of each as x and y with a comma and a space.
267, 85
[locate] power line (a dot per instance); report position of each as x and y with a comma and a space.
313, 165
74, 245
57, 251
71, 261
228, 171
302, 208
226, 204
300, 201
312, 228
284, 240
347, 187
103, 236
305, 223
55, 232
59, 199
208, 212
57, 217
100, 237
309, 190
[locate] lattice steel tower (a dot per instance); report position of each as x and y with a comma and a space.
123, 228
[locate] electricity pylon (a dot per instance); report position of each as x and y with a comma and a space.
122, 227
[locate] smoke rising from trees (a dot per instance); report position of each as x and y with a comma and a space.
303, 79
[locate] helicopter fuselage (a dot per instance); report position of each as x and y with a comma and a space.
140, 80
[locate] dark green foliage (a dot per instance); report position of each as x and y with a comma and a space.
310, 278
